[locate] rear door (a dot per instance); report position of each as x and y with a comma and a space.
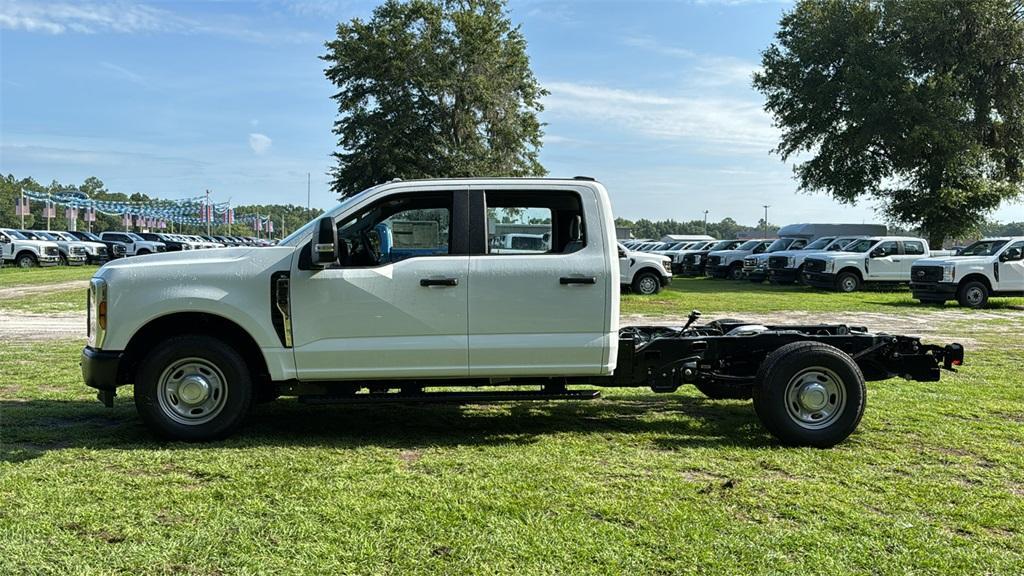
913, 250
544, 312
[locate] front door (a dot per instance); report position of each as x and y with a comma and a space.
395, 305
884, 263
1011, 272
543, 310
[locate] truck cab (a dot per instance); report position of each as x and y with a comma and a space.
403, 292
987, 268
25, 252
874, 260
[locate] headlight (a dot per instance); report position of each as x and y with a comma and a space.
97, 312
667, 264
830, 265
697, 258
791, 262
949, 272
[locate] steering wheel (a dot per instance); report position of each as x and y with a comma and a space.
372, 250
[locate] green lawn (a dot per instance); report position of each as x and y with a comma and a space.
48, 302
635, 483
33, 276
712, 295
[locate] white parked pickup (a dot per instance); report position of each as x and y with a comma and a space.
876, 259
989, 267
360, 306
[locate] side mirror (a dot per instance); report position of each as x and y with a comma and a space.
1011, 255
622, 253
5, 240
324, 246
878, 253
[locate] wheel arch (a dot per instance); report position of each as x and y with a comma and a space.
203, 323
975, 276
849, 268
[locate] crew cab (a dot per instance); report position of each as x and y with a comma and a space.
95, 252
729, 263
986, 268
875, 260
755, 266
328, 316
72, 252
24, 252
114, 249
695, 263
643, 272
135, 245
787, 266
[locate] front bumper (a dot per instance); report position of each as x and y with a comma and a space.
666, 280
692, 270
48, 260
76, 260
820, 279
755, 274
99, 370
783, 275
95, 259
720, 271
933, 290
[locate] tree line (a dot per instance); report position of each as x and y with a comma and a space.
289, 215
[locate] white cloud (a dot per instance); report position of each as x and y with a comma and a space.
707, 69
126, 74
724, 123
259, 143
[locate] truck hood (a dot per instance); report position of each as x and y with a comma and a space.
726, 253
37, 243
154, 263
837, 255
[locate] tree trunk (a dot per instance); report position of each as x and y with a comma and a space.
935, 239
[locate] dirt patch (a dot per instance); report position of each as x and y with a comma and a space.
20, 291
26, 327
410, 457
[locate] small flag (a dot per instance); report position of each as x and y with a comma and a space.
21, 207
90, 215
49, 210
270, 226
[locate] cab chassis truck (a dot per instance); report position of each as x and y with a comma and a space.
328, 316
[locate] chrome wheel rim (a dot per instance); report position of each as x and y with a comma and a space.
849, 284
815, 398
974, 295
25, 262
192, 391
648, 285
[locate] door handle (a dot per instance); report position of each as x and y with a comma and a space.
439, 282
577, 280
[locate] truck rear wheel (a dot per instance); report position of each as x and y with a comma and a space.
973, 294
193, 388
810, 394
646, 283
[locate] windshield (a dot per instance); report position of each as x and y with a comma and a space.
91, 236
983, 248
134, 236
15, 234
64, 236
860, 245
839, 244
724, 245
749, 245
818, 244
44, 235
780, 244
305, 228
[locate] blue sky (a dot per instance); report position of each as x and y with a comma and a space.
172, 98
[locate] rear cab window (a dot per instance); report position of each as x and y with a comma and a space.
537, 223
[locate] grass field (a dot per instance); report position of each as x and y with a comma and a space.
35, 276
711, 295
635, 483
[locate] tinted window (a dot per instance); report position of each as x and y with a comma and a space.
913, 248
397, 228
983, 248
886, 249
859, 246
534, 223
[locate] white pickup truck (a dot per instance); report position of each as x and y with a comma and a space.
989, 267
16, 248
329, 316
134, 244
871, 260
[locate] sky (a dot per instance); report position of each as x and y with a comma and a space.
174, 98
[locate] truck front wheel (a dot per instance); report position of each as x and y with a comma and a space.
26, 261
646, 283
193, 388
810, 394
848, 282
973, 294
736, 272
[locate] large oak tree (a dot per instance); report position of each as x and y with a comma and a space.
433, 88
916, 103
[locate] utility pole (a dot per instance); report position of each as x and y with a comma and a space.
705, 222
21, 208
209, 213
766, 207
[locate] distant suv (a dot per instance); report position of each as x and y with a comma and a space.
136, 245
27, 253
879, 259
787, 266
114, 249
755, 266
989, 267
729, 263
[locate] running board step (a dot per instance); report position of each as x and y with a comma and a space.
451, 397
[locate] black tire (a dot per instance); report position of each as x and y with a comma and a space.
162, 411
973, 294
736, 271
783, 380
27, 261
63, 260
847, 282
646, 282
722, 392
142, 252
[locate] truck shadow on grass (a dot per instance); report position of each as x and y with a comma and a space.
33, 428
